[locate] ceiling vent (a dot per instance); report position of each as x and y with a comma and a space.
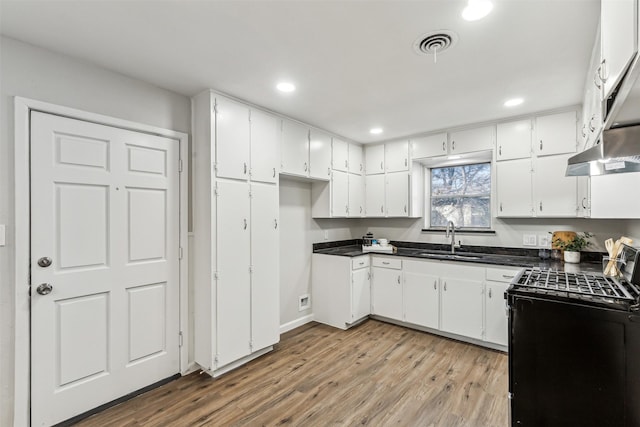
434, 43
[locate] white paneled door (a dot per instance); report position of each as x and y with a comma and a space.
105, 268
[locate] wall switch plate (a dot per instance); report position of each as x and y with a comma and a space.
544, 240
529, 240
3, 240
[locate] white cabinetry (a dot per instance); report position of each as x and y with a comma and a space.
421, 294
592, 118
471, 140
556, 134
339, 194
513, 182
429, 146
265, 147
498, 280
396, 156
386, 287
236, 314
319, 155
555, 195
513, 140
340, 155
356, 165
340, 289
397, 194
606, 196
356, 196
619, 40
374, 195
374, 159
462, 300
295, 148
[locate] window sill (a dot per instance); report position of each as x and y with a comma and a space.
463, 231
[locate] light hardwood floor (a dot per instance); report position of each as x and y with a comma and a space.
374, 374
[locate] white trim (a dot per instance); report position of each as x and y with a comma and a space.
22, 109
296, 323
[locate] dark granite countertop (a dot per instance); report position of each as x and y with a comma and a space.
517, 257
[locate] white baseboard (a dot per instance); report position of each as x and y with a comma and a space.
296, 323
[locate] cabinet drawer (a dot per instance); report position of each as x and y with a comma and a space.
396, 264
360, 262
502, 274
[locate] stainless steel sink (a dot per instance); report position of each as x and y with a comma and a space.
460, 256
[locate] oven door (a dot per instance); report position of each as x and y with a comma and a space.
569, 366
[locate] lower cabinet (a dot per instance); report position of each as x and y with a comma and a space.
496, 320
386, 287
421, 294
341, 293
462, 300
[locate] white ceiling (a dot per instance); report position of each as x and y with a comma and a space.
352, 61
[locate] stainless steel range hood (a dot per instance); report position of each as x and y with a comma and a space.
618, 152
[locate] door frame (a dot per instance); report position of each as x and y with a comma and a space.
22, 145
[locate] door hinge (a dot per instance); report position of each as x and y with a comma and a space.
180, 252
251, 269
180, 339
215, 166
215, 360
216, 276
215, 191
215, 108
251, 346
179, 165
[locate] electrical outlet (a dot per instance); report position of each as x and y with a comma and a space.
304, 302
529, 240
544, 240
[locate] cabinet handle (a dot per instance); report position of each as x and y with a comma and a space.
275, 223
328, 171
591, 126
445, 286
489, 292
584, 134
381, 165
453, 145
346, 163
500, 206
245, 224
398, 280
405, 162
540, 206
346, 208
405, 208
305, 166
595, 79
435, 285
274, 172
385, 262
584, 199
360, 167
602, 71
381, 208
500, 150
540, 145
360, 209
444, 146
245, 168
361, 263
506, 276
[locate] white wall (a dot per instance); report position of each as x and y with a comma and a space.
298, 232
32, 72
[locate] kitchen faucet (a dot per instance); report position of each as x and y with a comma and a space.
451, 226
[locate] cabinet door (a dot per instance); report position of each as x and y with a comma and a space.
513, 187
320, 155
360, 294
295, 148
339, 194
421, 299
386, 292
556, 134
265, 146
495, 313
619, 33
397, 191
461, 309
396, 156
374, 158
468, 141
232, 139
340, 155
356, 164
233, 292
606, 196
429, 146
555, 195
356, 195
265, 260
513, 140
374, 195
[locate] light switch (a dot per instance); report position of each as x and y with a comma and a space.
2, 235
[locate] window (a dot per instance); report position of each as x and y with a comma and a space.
461, 194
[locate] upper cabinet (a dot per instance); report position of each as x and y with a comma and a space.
295, 148
429, 146
471, 140
340, 155
356, 165
592, 118
232, 130
396, 156
319, 155
513, 140
556, 134
374, 159
265, 146
619, 41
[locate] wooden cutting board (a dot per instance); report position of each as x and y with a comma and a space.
565, 236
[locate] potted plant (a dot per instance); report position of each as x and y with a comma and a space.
573, 247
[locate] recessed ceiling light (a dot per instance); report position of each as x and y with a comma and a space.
477, 9
513, 102
286, 87
376, 131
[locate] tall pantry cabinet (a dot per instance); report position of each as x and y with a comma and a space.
235, 221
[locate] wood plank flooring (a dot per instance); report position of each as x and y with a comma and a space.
374, 374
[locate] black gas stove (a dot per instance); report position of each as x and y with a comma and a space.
574, 341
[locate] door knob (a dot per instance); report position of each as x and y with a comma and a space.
45, 261
44, 288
